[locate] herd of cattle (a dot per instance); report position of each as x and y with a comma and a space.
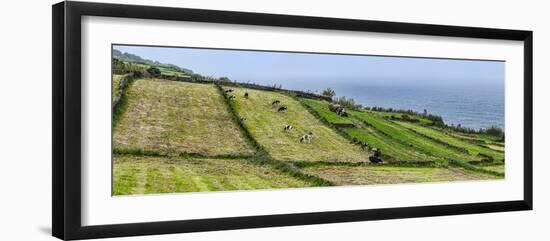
307, 138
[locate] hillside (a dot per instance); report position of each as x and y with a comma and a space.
169, 117
132, 58
266, 124
168, 175
184, 136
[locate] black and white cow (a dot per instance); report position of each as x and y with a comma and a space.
288, 128
307, 137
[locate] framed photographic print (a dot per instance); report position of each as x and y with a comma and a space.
169, 120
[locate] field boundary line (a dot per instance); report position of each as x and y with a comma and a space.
121, 102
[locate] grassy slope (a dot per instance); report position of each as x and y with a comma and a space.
175, 117
400, 116
116, 85
412, 139
266, 125
167, 71
392, 150
143, 175
392, 175
472, 148
495, 168
321, 107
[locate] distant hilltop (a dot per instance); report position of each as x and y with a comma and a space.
128, 57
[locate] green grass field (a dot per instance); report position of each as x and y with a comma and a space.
414, 140
364, 175
390, 148
173, 136
176, 117
266, 125
144, 175
495, 168
321, 107
472, 148
116, 85
397, 115
167, 71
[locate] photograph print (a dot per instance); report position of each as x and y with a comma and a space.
205, 120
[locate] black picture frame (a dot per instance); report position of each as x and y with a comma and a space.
66, 127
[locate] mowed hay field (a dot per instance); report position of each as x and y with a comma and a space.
175, 136
320, 107
172, 117
392, 149
116, 85
472, 148
371, 174
144, 175
266, 125
412, 139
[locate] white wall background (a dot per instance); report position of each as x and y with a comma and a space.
25, 120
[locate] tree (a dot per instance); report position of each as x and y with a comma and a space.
495, 131
329, 92
154, 71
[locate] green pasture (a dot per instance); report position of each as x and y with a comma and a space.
412, 139
116, 85
146, 175
321, 107
377, 174
177, 117
472, 148
266, 125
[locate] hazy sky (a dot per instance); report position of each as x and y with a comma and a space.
274, 67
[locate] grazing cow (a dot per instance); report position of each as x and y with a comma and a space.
246, 95
364, 146
228, 90
231, 97
338, 109
342, 112
287, 128
307, 137
375, 158
275, 102
282, 108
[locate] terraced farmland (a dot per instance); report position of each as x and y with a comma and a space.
392, 150
116, 85
172, 117
361, 175
174, 136
320, 107
266, 125
412, 139
472, 148
389, 115
495, 168
142, 175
